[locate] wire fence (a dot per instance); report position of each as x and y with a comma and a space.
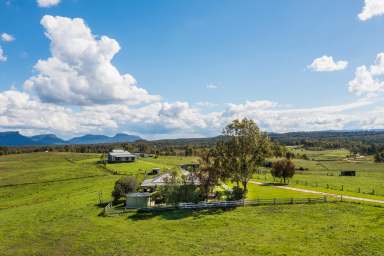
339, 187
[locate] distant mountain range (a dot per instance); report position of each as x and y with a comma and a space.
291, 138
17, 139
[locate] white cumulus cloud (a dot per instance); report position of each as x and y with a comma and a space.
371, 9
80, 71
7, 37
369, 80
47, 3
327, 64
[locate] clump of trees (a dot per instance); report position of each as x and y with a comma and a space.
283, 169
123, 186
236, 158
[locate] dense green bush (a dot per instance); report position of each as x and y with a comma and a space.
123, 186
283, 169
237, 193
175, 193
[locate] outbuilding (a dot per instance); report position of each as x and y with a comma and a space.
138, 200
120, 156
348, 173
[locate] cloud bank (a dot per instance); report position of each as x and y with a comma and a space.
77, 90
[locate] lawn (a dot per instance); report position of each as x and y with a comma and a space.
61, 218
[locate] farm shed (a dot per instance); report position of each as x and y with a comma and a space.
348, 173
120, 156
138, 200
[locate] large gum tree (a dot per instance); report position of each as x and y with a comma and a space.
244, 150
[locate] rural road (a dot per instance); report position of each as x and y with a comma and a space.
324, 193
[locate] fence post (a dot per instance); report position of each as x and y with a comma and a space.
373, 191
358, 190
291, 200
100, 197
342, 187
327, 186
325, 199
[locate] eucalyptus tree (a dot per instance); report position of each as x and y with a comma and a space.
244, 150
210, 170
283, 169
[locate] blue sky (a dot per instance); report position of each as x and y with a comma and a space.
205, 61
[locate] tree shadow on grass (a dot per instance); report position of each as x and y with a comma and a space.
274, 184
176, 214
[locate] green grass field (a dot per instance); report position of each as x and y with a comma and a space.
324, 168
58, 215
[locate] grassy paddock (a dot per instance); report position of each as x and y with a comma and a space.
61, 218
323, 169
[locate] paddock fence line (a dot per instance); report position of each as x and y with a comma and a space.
261, 201
340, 187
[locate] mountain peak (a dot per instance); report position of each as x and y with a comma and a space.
14, 138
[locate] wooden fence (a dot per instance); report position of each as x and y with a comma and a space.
271, 201
206, 205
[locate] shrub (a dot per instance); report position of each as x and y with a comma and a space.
237, 193
123, 186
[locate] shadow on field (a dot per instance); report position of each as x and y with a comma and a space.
175, 214
273, 184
